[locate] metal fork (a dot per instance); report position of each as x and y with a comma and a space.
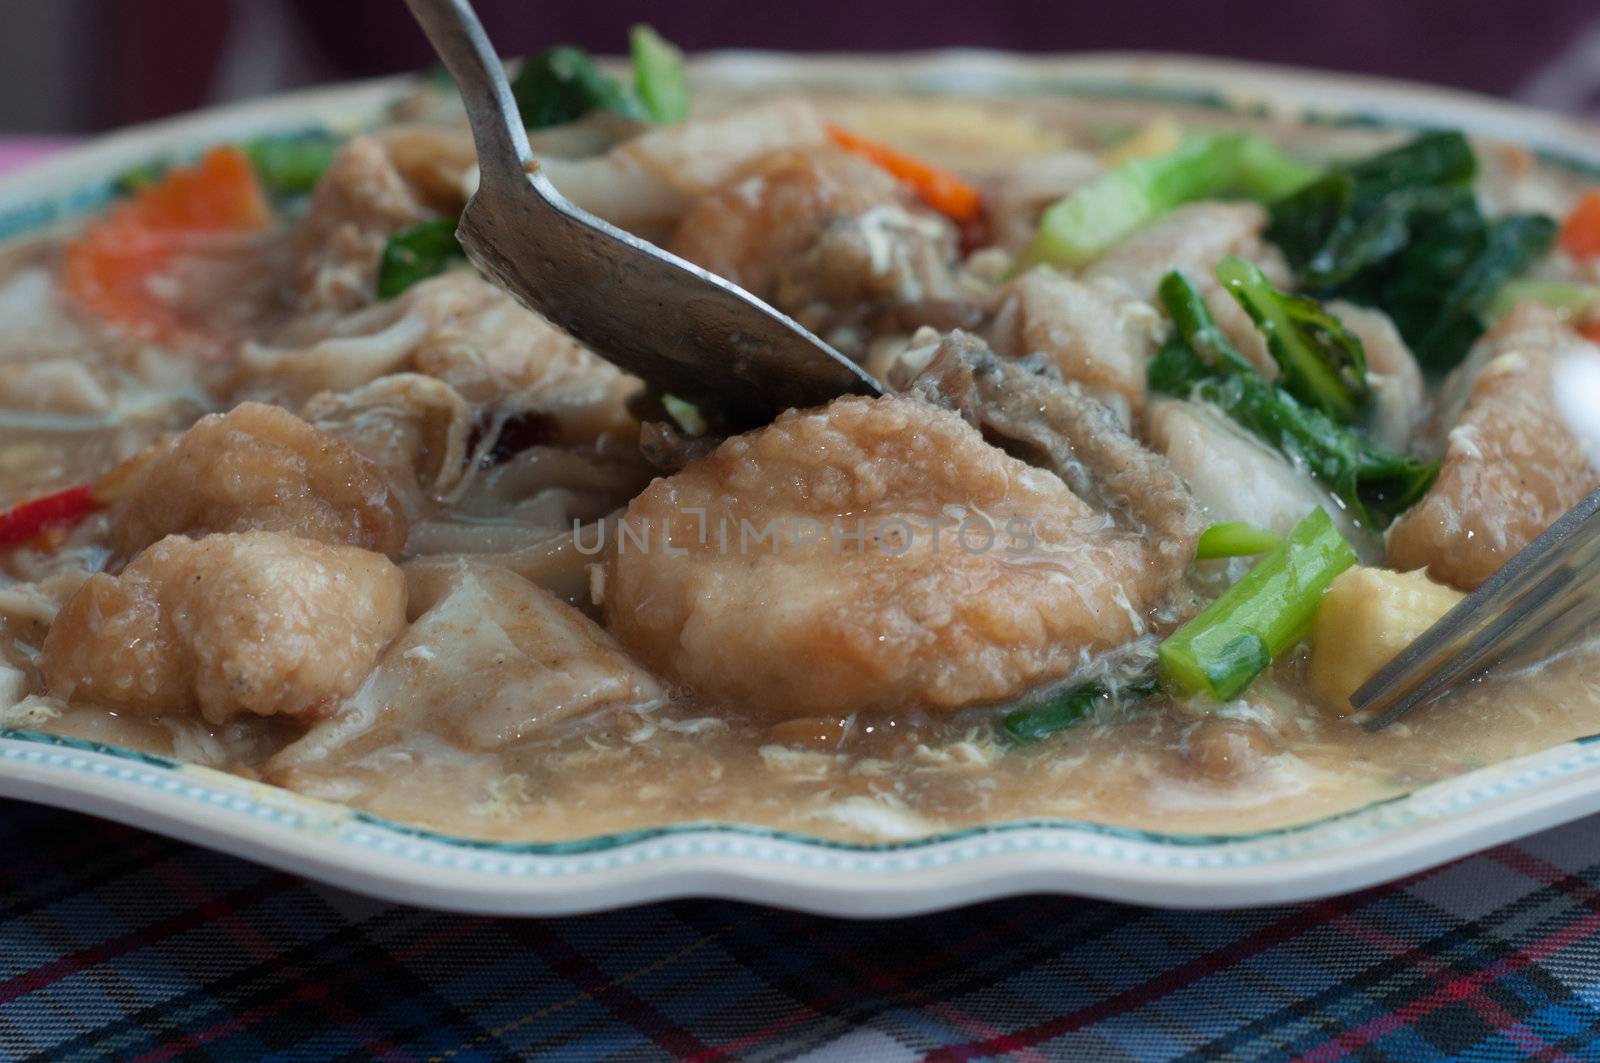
1542, 600
682, 329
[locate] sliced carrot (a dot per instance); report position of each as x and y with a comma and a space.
25, 521
1580, 233
108, 268
934, 185
1590, 330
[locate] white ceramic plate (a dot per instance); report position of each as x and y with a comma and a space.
370, 855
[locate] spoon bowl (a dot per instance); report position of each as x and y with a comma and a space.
683, 330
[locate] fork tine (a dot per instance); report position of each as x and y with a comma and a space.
1546, 595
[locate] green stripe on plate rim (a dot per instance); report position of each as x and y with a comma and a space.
372, 831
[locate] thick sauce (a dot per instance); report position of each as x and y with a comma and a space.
1268, 760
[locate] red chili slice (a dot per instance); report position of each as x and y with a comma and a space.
25, 520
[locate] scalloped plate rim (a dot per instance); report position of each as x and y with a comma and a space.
399, 862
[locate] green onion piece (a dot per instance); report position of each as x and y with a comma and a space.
1235, 538
1084, 225
416, 253
291, 165
1030, 723
658, 76
1323, 363
1236, 637
686, 415
1568, 298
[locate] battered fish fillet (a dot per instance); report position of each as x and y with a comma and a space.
1023, 582
255, 467
228, 625
1087, 336
1511, 466
774, 209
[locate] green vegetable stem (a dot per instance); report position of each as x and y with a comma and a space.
1323, 363
1084, 225
1235, 638
658, 76
1199, 362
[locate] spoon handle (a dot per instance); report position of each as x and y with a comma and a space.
456, 34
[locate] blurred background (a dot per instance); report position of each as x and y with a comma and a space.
76, 66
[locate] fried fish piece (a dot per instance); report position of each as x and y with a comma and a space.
227, 625
255, 467
854, 602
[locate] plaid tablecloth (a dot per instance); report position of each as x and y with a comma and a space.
116, 944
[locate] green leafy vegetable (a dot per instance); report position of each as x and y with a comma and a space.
416, 253
1323, 363
1377, 484
1199, 361
1438, 159
658, 76
1178, 371
1439, 289
291, 165
1030, 723
1236, 637
1360, 213
1402, 231
1079, 228
562, 84
1235, 538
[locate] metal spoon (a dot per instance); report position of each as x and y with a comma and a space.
683, 330
1543, 600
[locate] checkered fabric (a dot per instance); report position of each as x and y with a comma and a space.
116, 944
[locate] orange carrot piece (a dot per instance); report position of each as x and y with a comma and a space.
934, 185
1590, 330
109, 267
1580, 233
